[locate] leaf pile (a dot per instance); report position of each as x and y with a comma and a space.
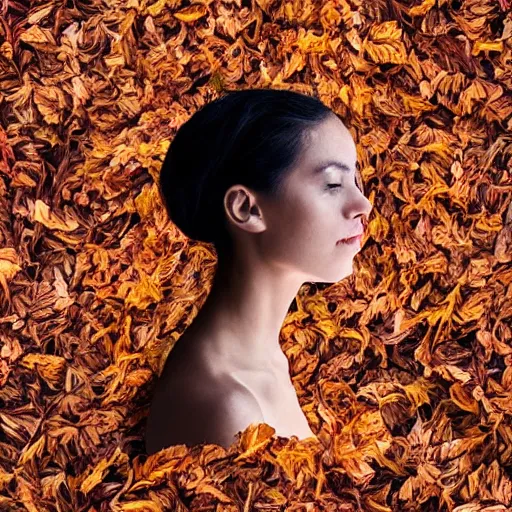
404, 369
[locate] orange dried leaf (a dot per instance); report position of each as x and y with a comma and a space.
192, 13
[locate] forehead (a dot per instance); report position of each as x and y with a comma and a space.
329, 143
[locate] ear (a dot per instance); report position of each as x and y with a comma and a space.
243, 209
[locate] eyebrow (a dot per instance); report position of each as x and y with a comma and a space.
332, 163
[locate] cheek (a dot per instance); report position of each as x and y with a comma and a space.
302, 221
307, 223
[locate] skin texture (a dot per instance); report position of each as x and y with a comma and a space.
228, 370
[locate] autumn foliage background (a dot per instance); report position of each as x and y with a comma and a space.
403, 369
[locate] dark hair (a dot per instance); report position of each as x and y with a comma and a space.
250, 137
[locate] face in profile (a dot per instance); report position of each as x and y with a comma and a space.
320, 204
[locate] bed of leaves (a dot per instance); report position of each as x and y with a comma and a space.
403, 369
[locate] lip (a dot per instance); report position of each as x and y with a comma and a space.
351, 239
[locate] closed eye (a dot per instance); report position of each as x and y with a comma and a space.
331, 186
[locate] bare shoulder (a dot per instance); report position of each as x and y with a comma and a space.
241, 407
192, 411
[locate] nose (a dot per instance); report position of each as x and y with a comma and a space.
362, 204
368, 205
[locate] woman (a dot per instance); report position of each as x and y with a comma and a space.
269, 177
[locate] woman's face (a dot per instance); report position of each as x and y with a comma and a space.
321, 203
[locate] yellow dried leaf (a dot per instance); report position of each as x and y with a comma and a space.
42, 214
254, 438
51, 368
384, 44
485, 46
415, 104
147, 201
36, 35
191, 13
5, 479
277, 497
422, 9
386, 32
489, 223
96, 475
376, 141
8, 263
308, 42
36, 449
39, 13
23, 180
204, 487
378, 227
146, 291
138, 377
463, 398
386, 53
141, 506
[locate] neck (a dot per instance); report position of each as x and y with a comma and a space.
245, 310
